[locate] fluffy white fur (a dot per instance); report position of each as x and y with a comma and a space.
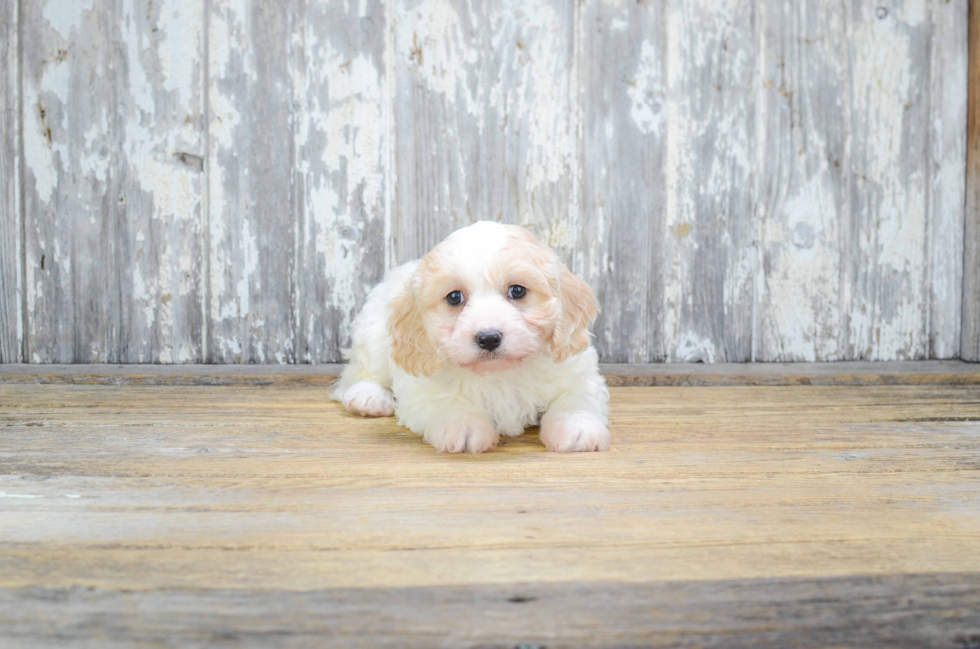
415, 355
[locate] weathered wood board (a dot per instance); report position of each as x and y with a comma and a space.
486, 117
725, 516
624, 104
224, 181
906, 611
971, 253
11, 255
113, 140
297, 180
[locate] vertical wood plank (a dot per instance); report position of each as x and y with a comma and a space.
297, 193
112, 109
625, 133
486, 120
11, 323
72, 302
946, 173
803, 147
886, 285
252, 200
709, 253
970, 339
337, 68
160, 120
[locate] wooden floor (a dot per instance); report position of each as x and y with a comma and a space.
268, 517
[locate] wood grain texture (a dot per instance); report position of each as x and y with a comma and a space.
252, 199
72, 292
970, 341
803, 202
624, 61
881, 611
224, 180
297, 183
338, 77
112, 141
11, 255
709, 256
253, 509
885, 287
486, 119
948, 78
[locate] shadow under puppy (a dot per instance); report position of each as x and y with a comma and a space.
484, 336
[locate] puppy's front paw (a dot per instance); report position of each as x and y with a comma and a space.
469, 434
574, 431
369, 400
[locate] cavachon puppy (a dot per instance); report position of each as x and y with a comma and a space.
485, 336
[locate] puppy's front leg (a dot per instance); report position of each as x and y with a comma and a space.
576, 422
453, 428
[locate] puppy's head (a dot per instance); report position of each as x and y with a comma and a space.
487, 298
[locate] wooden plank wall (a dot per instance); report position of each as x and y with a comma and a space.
224, 180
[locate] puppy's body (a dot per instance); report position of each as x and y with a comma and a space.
416, 356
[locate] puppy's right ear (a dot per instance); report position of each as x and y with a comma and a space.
411, 349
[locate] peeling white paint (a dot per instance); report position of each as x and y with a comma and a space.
802, 289
443, 51
891, 319
646, 110
182, 35
946, 218
250, 262
44, 156
500, 89
692, 348
66, 17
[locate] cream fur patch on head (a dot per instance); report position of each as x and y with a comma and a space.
479, 265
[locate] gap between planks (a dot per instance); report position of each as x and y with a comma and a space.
621, 375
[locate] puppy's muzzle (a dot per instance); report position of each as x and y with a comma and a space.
489, 339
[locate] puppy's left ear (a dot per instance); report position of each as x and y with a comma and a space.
579, 308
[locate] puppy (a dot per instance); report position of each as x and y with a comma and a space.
485, 336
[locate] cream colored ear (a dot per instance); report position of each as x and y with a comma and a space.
579, 308
411, 349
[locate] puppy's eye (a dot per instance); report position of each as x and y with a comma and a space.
455, 298
516, 292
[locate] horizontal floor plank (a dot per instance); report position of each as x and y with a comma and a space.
936, 610
950, 372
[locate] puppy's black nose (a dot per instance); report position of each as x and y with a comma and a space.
489, 340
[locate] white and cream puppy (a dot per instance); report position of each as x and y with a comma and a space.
485, 336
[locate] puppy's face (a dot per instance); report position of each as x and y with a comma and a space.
487, 298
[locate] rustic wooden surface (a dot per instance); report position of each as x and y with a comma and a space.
112, 139
223, 180
948, 103
296, 176
914, 611
625, 142
971, 258
802, 200
619, 375
737, 516
10, 226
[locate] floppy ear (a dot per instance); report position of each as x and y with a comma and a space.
579, 308
411, 349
